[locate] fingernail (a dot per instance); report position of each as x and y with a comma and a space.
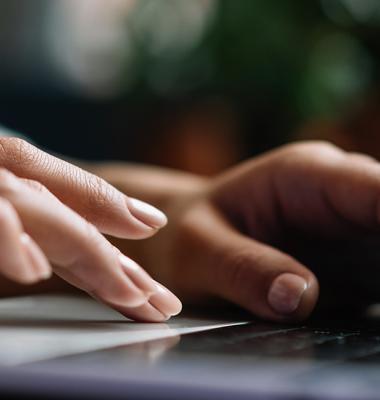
146, 312
146, 213
165, 301
286, 292
138, 276
152, 313
41, 268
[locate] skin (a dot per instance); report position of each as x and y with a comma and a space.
52, 217
307, 209
271, 235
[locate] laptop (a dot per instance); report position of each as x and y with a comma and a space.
65, 347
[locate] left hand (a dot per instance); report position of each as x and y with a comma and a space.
52, 217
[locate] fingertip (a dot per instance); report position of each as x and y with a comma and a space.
140, 220
143, 313
166, 301
270, 284
293, 297
146, 213
309, 299
159, 306
159, 297
286, 292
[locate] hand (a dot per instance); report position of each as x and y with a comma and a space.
248, 235
53, 212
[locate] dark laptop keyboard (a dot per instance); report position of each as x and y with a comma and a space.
263, 341
323, 360
320, 342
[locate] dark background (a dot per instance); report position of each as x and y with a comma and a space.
198, 85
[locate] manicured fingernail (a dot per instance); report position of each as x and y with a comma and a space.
286, 292
165, 301
138, 276
146, 213
41, 270
152, 313
146, 312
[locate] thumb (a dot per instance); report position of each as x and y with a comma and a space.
90, 196
258, 277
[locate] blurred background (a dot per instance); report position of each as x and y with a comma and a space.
190, 84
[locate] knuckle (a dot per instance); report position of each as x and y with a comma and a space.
100, 196
5, 175
99, 191
36, 186
312, 147
6, 212
322, 148
9, 183
362, 158
311, 152
16, 151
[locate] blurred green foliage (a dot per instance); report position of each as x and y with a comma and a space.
307, 58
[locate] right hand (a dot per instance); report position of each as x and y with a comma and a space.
267, 234
51, 216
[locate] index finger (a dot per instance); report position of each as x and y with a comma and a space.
82, 256
108, 209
